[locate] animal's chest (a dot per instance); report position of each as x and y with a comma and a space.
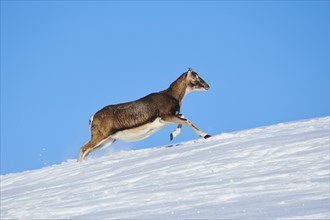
141, 132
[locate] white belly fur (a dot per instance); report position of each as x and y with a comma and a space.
141, 132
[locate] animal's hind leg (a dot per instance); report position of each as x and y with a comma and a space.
100, 137
86, 149
92, 145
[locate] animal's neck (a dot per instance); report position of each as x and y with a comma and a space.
177, 89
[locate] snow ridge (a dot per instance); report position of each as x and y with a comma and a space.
273, 172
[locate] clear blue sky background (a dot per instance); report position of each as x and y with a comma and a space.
266, 62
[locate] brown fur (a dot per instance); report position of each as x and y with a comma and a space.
165, 105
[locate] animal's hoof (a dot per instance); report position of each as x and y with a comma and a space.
207, 136
171, 136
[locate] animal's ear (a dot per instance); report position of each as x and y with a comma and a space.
189, 72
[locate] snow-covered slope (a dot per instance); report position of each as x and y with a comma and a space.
274, 172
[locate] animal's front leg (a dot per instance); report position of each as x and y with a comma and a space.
177, 120
177, 131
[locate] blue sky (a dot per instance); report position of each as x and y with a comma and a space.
266, 62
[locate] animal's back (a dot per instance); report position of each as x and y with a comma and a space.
136, 113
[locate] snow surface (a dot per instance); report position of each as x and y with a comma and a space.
274, 172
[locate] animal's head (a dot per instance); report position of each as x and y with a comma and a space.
195, 82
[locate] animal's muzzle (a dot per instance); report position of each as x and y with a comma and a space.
206, 86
